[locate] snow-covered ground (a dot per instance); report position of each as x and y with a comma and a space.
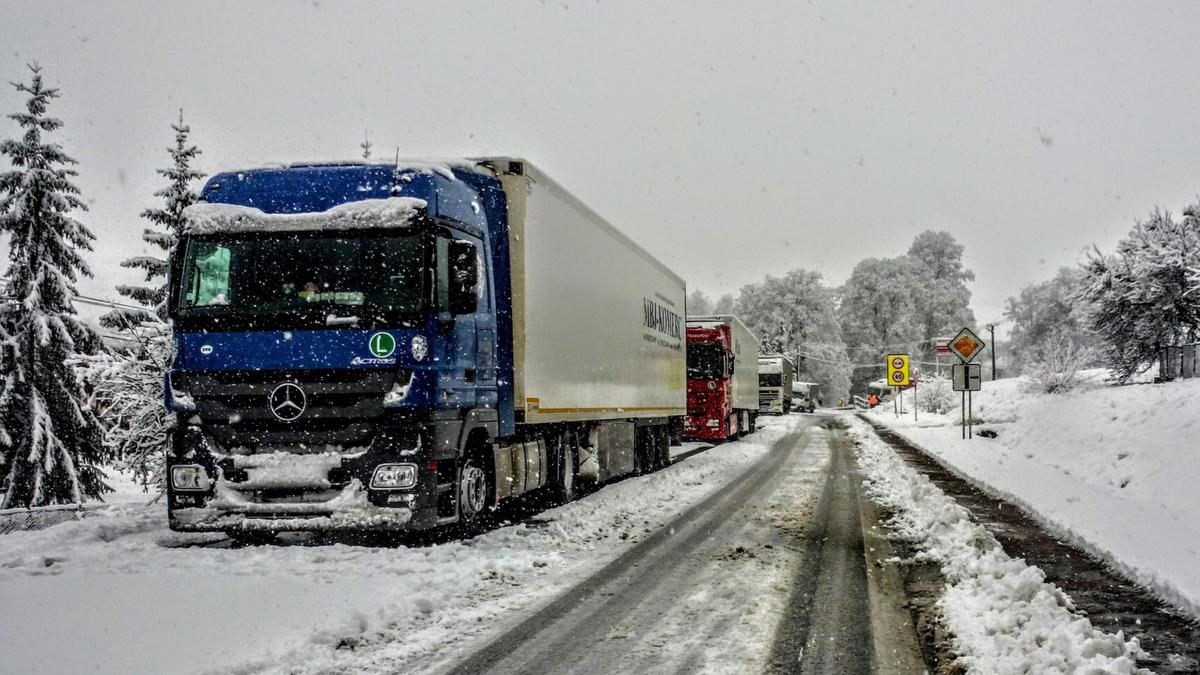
1003, 616
1115, 469
118, 593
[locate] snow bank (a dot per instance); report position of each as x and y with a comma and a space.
1003, 615
1113, 469
393, 212
117, 593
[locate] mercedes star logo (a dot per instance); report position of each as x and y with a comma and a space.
288, 401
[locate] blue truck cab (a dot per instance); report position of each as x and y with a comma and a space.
336, 340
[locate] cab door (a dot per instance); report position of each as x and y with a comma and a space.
468, 378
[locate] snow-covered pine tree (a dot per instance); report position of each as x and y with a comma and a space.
167, 225
50, 438
1141, 296
366, 146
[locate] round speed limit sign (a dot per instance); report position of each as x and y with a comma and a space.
897, 377
897, 363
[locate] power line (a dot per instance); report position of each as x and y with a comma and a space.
99, 302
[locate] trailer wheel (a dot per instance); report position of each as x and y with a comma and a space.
645, 445
473, 490
564, 480
664, 447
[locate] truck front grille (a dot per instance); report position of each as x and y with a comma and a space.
340, 406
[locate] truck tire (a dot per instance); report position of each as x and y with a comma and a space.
564, 468
473, 490
664, 447
642, 451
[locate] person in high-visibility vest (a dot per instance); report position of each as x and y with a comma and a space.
872, 400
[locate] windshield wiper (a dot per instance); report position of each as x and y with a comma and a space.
334, 320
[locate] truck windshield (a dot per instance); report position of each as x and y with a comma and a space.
303, 279
705, 361
770, 380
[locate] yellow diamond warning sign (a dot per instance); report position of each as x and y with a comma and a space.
966, 345
897, 370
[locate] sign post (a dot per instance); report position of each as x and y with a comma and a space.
916, 379
941, 347
898, 376
967, 376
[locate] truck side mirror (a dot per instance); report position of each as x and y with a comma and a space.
732, 363
464, 277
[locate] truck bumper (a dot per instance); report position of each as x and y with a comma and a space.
283, 491
699, 428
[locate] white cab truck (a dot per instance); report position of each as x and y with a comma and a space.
775, 374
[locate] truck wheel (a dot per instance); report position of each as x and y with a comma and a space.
473, 490
641, 452
564, 482
664, 447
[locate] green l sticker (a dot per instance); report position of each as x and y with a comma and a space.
382, 345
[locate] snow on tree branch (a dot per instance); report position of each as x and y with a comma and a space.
51, 445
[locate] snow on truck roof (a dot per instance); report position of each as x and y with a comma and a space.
394, 212
444, 167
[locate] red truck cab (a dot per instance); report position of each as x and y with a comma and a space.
722, 371
709, 404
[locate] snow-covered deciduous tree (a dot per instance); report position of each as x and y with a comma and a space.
1055, 368
166, 226
937, 395
724, 304
1141, 297
878, 313
127, 387
698, 303
941, 296
796, 315
50, 438
1047, 313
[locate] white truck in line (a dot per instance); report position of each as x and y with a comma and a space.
775, 375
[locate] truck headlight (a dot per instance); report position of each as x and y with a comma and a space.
190, 478
394, 477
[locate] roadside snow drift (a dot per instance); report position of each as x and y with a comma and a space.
118, 593
1003, 615
1113, 469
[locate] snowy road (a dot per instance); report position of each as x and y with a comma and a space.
117, 593
731, 585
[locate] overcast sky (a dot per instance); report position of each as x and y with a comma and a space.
732, 140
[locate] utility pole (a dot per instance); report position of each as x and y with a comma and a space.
992, 346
